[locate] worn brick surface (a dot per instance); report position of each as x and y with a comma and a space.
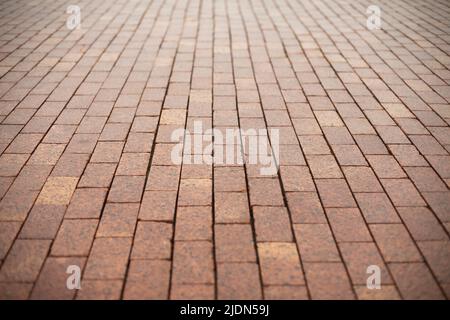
87, 124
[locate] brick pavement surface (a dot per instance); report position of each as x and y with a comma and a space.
86, 176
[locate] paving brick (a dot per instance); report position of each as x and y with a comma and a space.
280, 264
316, 242
324, 166
118, 220
147, 280
133, 164
328, 281
15, 290
126, 189
24, 261
285, 293
234, 243
335, 193
349, 155
229, 179
108, 259
24, 143
415, 281
100, 290
359, 126
163, 178
43, 222
113, 132
422, 224
193, 223
361, 140
8, 233
16, 204
70, 165
402, 192
57, 191
11, 164
437, 255
31, 177
59, 134
392, 135
5, 183
238, 281
386, 292
296, 178
265, 192
196, 171
385, 166
107, 152
272, 224
428, 145
46, 154
74, 237
152, 240
370, 144
52, 281
376, 208
231, 207
192, 292
426, 179
158, 205
139, 142
86, 203
97, 175
391, 237
407, 155
439, 203
362, 179
348, 224
192, 263
195, 192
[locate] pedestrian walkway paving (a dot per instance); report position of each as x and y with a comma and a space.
358, 121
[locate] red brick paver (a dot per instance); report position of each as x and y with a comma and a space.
87, 176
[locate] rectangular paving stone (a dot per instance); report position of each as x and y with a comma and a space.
86, 203
272, 224
8, 233
348, 224
158, 205
91, 171
238, 281
391, 237
126, 189
52, 281
108, 259
147, 280
192, 262
231, 207
74, 237
280, 264
193, 223
358, 256
335, 193
152, 240
57, 190
305, 207
415, 281
43, 222
118, 220
316, 243
234, 243
100, 290
328, 281
24, 261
